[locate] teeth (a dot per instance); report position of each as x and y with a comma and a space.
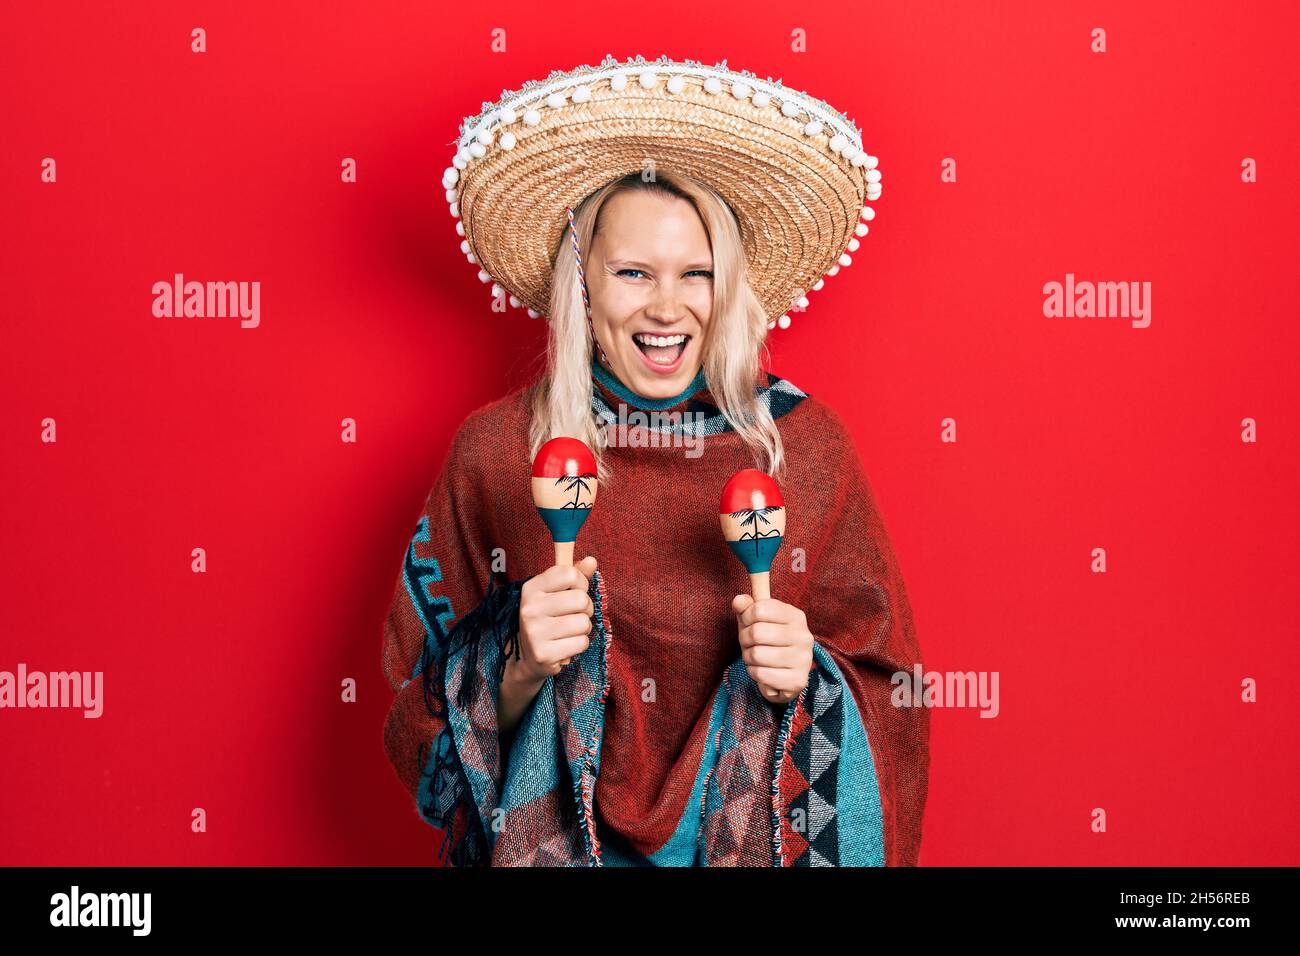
645, 339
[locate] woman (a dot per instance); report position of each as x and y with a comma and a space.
639, 708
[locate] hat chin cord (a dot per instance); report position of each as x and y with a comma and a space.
595, 341
582, 281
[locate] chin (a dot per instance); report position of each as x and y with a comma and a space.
659, 388
653, 385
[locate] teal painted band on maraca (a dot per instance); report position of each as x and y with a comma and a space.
564, 522
756, 554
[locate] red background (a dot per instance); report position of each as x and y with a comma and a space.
222, 689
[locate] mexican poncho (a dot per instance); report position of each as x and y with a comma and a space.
655, 746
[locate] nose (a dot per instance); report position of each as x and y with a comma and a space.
666, 303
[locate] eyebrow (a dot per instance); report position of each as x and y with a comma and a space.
643, 265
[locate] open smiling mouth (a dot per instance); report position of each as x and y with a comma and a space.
661, 349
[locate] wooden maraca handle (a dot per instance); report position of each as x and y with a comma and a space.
760, 590
564, 556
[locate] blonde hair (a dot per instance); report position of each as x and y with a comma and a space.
734, 337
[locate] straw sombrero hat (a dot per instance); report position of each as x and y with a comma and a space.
792, 168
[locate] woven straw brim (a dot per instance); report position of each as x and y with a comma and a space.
796, 200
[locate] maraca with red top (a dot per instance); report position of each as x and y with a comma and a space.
753, 522
564, 489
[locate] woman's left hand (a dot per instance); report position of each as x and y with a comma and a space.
776, 645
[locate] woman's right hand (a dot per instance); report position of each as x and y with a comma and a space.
554, 620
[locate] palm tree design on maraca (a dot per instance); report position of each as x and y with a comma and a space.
580, 482
750, 517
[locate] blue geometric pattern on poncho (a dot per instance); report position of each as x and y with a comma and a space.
540, 814
815, 752
737, 824
829, 787
435, 612
443, 790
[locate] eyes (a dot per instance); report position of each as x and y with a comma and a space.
694, 272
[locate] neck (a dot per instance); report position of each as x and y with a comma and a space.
611, 382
